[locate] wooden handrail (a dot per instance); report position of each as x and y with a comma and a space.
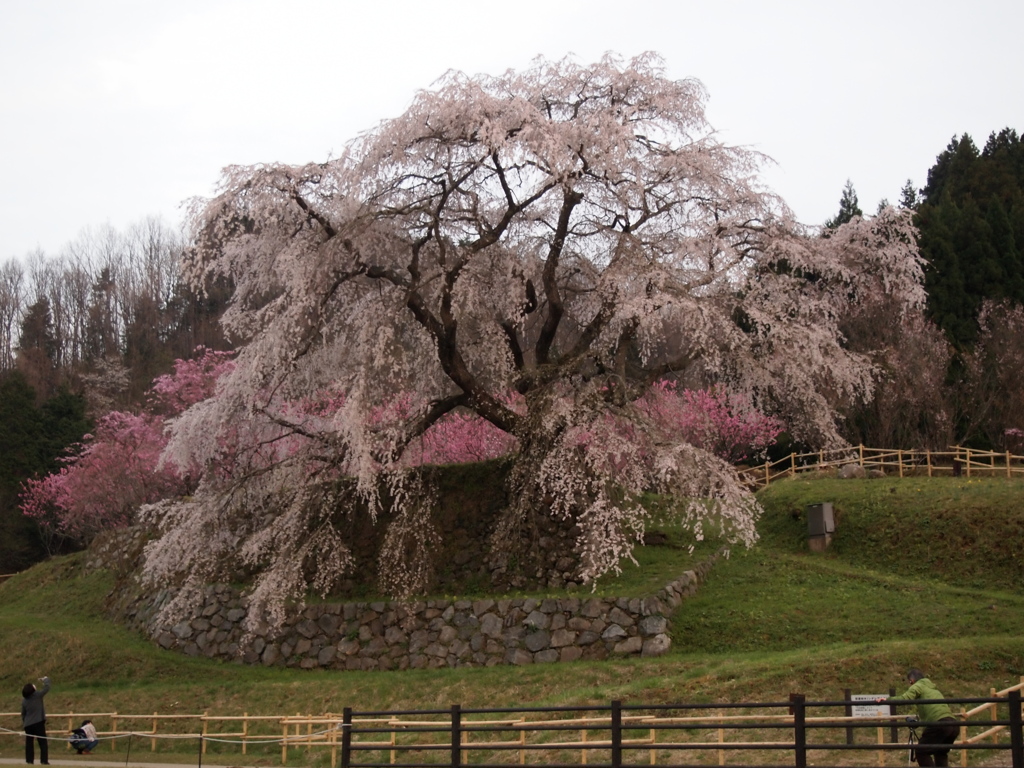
903, 461
324, 731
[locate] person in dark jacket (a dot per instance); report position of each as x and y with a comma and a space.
941, 729
33, 720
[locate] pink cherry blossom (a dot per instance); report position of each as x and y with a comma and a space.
571, 234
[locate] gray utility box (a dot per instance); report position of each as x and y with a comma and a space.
820, 520
821, 524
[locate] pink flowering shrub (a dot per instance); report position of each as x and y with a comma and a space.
106, 479
192, 381
712, 419
117, 468
460, 438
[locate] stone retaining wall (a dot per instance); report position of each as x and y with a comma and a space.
425, 634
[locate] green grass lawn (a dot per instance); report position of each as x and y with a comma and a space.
922, 572
771, 601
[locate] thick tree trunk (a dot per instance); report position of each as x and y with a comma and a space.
531, 545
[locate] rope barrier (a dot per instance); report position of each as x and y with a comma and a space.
301, 739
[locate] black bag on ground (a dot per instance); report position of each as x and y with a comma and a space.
78, 739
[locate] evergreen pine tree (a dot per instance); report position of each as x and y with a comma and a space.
971, 220
1005, 246
908, 196
848, 208
31, 441
20, 456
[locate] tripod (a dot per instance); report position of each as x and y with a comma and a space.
912, 740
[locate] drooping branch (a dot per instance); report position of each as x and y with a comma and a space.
434, 413
571, 233
318, 217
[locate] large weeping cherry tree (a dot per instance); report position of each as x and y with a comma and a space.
538, 249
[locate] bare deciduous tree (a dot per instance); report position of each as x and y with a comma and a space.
12, 281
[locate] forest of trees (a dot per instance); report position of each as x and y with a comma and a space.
971, 218
84, 333
951, 376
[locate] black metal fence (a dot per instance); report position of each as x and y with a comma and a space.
795, 733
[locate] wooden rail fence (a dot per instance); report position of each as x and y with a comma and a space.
596, 736
956, 461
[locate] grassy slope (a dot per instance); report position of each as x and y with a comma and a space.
769, 621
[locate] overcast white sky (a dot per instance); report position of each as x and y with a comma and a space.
114, 110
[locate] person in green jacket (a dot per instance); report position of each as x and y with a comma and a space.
940, 727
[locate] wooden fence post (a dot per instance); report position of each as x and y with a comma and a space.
721, 738
994, 709
334, 744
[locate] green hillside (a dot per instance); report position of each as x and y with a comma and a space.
965, 532
922, 572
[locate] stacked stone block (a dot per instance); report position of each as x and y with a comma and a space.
425, 634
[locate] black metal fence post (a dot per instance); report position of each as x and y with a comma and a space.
346, 737
456, 735
797, 701
894, 730
1016, 735
848, 698
616, 734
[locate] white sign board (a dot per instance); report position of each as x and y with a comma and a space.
869, 706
